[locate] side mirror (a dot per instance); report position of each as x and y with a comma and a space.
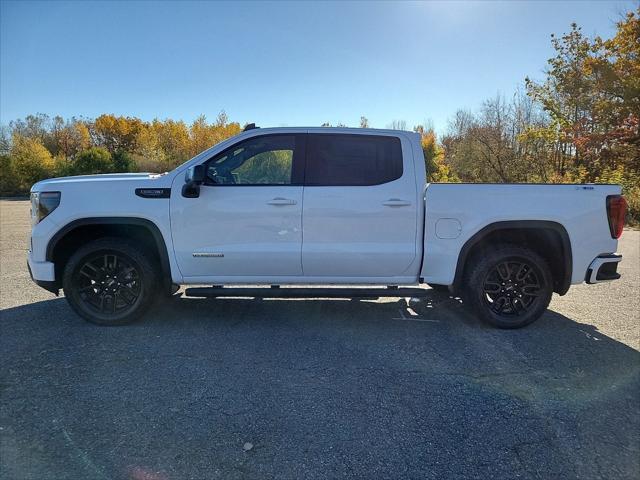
192, 181
195, 175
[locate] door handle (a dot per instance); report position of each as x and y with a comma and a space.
281, 201
396, 202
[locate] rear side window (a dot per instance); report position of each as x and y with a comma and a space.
352, 160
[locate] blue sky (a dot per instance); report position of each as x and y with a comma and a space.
278, 63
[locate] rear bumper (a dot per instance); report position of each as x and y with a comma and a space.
604, 268
42, 273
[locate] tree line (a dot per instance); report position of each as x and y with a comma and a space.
38, 146
581, 123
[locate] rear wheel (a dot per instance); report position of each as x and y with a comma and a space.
109, 282
509, 287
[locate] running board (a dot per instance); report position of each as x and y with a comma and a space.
293, 292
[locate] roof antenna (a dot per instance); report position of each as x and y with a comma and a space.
249, 126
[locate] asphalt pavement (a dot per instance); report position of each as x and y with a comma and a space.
303, 389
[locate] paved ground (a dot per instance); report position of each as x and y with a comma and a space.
320, 388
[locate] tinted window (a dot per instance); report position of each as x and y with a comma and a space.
352, 159
264, 160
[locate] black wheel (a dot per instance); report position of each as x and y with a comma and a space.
439, 288
509, 287
109, 282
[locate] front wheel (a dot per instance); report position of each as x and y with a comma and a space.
109, 282
509, 287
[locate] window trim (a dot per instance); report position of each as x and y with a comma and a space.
359, 135
298, 162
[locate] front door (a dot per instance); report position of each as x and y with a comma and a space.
247, 221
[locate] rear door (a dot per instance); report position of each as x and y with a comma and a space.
360, 206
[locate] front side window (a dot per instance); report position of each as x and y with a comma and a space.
266, 160
352, 160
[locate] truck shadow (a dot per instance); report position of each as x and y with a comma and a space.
555, 343
363, 376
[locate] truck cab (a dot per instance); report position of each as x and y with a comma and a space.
303, 207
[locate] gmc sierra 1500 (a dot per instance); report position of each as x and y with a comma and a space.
318, 206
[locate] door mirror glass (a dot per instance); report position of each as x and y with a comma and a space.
195, 175
192, 181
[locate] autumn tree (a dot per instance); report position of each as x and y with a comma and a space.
67, 138
204, 135
35, 127
148, 155
115, 133
437, 168
494, 144
592, 96
173, 139
30, 161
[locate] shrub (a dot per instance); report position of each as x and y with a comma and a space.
123, 162
93, 160
9, 183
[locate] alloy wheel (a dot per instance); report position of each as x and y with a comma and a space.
512, 287
108, 284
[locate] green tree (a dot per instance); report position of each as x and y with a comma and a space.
92, 161
122, 162
9, 182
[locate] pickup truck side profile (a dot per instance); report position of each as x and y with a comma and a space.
318, 206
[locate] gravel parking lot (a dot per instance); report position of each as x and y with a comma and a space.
245, 388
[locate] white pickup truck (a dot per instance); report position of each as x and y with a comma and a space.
318, 206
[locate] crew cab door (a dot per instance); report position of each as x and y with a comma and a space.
360, 207
247, 220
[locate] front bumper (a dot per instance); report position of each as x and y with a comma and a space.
604, 268
42, 273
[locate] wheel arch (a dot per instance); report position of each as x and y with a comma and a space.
90, 228
536, 234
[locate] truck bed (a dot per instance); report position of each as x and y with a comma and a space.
457, 214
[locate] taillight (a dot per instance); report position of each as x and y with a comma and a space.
616, 211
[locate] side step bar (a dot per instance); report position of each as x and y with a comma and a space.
304, 292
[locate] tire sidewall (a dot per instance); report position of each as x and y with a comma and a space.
114, 246
476, 294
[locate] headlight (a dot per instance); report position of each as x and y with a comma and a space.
42, 204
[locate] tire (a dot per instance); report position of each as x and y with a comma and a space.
509, 287
439, 288
109, 282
